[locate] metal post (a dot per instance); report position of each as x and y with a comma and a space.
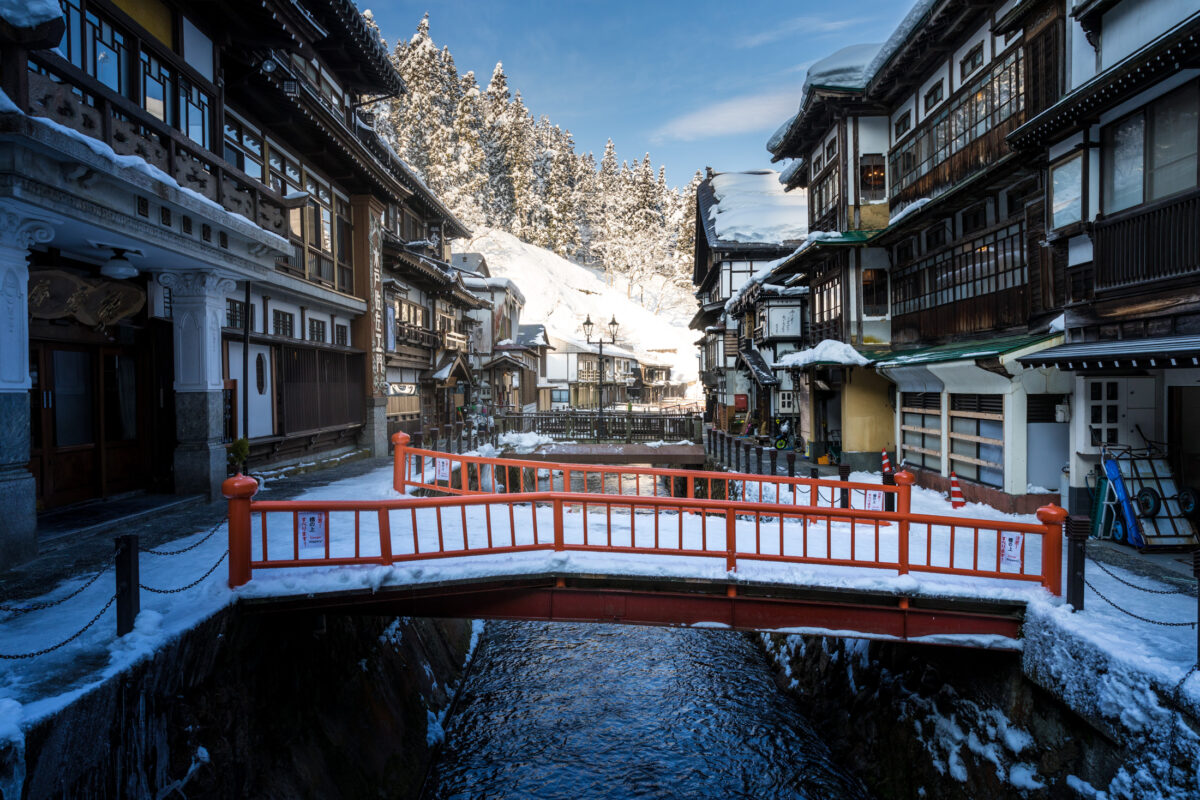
1079, 527
458, 433
400, 441
449, 437
746, 446
889, 498
128, 590
774, 461
844, 477
761, 450
791, 464
905, 481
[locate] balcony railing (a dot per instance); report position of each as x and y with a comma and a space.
1152, 242
453, 340
415, 335
964, 136
59, 93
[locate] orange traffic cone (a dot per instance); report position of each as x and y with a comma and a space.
956, 496
887, 463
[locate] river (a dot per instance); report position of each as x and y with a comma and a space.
583, 711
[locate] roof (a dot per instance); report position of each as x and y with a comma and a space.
471, 262
504, 360
754, 361
1164, 352
451, 364
961, 351
533, 335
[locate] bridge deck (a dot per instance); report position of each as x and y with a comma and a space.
744, 605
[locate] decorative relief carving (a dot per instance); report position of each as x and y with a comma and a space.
196, 284
21, 233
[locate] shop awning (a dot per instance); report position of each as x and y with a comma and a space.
762, 374
1160, 353
1002, 348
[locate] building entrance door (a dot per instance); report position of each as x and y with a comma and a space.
85, 426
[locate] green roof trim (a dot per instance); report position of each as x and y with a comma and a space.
961, 351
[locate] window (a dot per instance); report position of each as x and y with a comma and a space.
823, 195
558, 396
194, 112
827, 306
1066, 191
971, 62
158, 89
921, 429
875, 292
935, 237
243, 147
934, 96
872, 181
235, 314
316, 330
341, 335
786, 404
903, 124
1152, 153
974, 219
197, 49
991, 262
283, 323
831, 150
977, 437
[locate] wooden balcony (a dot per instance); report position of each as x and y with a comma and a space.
60, 93
453, 340
1152, 242
415, 335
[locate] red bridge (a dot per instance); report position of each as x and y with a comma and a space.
513, 539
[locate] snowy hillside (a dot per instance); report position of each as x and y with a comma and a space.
560, 294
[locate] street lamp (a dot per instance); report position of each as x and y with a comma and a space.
588, 327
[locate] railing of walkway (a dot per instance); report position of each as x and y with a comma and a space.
308, 533
619, 426
456, 473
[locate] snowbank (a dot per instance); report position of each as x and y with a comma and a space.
559, 294
828, 351
753, 207
523, 442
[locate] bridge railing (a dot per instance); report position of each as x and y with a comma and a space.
456, 473
309, 533
619, 426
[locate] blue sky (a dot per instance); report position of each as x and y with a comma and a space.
696, 83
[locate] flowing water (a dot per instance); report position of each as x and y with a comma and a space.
583, 711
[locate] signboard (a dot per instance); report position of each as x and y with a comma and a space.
312, 528
403, 390
443, 469
741, 402
875, 500
1010, 551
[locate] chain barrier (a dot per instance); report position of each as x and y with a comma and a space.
191, 546
64, 642
196, 582
1119, 579
1136, 616
1178, 690
25, 609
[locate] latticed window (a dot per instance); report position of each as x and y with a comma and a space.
977, 437
283, 323
921, 429
316, 330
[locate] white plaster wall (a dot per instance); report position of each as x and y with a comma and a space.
982, 34
942, 74
1131, 24
909, 104
873, 135
1081, 56
262, 420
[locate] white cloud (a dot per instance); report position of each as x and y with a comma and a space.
809, 25
758, 112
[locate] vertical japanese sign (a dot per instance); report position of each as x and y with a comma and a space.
1010, 551
443, 469
312, 528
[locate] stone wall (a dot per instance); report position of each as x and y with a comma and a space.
257, 706
950, 723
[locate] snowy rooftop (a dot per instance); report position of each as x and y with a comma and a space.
848, 68
29, 13
751, 208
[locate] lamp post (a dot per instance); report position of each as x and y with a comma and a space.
588, 326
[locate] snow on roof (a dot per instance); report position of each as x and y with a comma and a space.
848, 68
828, 351
784, 291
780, 132
29, 13
790, 171
532, 335
912, 19
908, 209
753, 207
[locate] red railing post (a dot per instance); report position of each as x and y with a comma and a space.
400, 441
238, 490
730, 541
1053, 517
385, 537
559, 542
904, 484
